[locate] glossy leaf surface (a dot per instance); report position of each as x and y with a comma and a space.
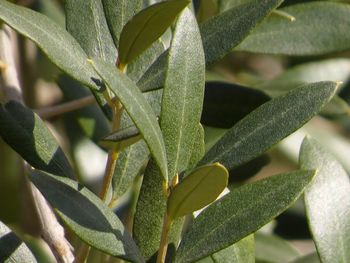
327, 203
309, 34
240, 213
146, 27
27, 134
86, 22
60, 47
87, 216
201, 187
183, 93
138, 109
272, 121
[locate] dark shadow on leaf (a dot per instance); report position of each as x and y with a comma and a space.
9, 243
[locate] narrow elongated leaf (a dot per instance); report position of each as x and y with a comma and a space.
272, 121
270, 248
12, 249
146, 27
198, 148
86, 22
27, 134
183, 93
137, 108
87, 216
240, 213
240, 252
61, 48
118, 13
197, 190
225, 31
327, 203
309, 34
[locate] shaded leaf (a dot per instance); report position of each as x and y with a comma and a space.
87, 216
138, 109
240, 252
201, 187
225, 104
327, 203
86, 22
272, 121
27, 134
12, 249
121, 138
183, 93
146, 27
309, 34
240, 213
118, 13
270, 248
61, 48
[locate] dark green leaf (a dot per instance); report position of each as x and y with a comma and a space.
12, 249
86, 22
272, 121
27, 134
240, 213
118, 13
225, 5
223, 32
87, 216
138, 109
146, 27
225, 104
54, 41
270, 248
327, 203
183, 93
240, 252
122, 134
198, 148
201, 187
309, 34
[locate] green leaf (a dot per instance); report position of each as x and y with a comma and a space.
129, 164
61, 48
146, 27
27, 134
309, 34
227, 4
183, 93
12, 249
240, 252
87, 216
86, 22
223, 32
270, 248
201, 187
240, 213
225, 104
138, 109
327, 203
272, 121
310, 258
198, 148
121, 138
118, 13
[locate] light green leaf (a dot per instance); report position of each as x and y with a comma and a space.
223, 32
118, 13
27, 134
240, 252
86, 22
240, 213
12, 249
309, 34
138, 109
327, 203
183, 93
198, 148
272, 121
270, 248
87, 216
201, 187
146, 27
60, 47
